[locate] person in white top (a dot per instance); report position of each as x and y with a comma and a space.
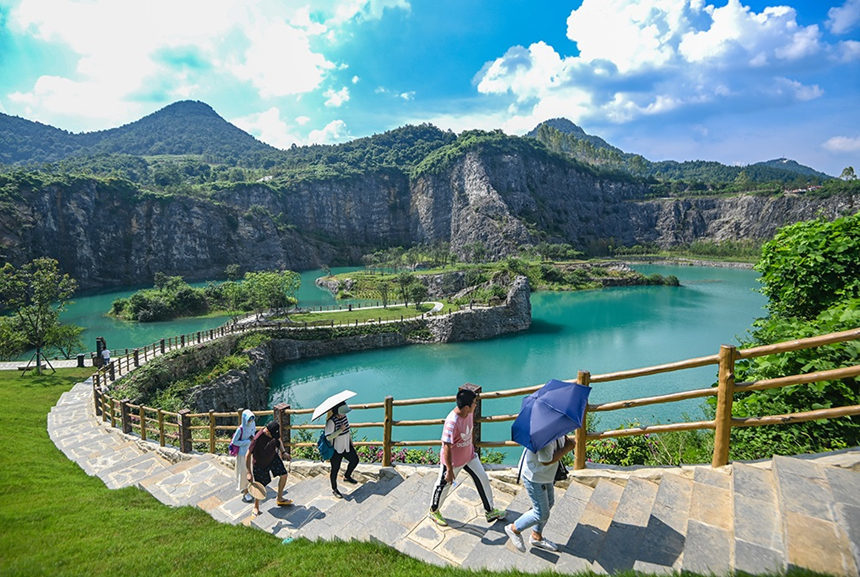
538, 473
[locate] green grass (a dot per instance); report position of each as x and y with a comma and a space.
367, 314
58, 521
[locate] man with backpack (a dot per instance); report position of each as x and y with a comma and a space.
264, 460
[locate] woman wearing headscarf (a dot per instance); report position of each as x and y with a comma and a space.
337, 433
242, 439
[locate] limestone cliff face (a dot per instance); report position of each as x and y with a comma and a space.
111, 235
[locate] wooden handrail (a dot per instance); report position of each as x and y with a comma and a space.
128, 414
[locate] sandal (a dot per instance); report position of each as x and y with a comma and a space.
284, 502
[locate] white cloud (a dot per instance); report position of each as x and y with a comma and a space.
651, 58
158, 51
843, 144
302, 120
335, 99
269, 127
842, 19
334, 131
407, 96
355, 79
848, 51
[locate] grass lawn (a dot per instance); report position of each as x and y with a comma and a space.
362, 315
58, 521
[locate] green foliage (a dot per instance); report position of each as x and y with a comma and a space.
674, 448
809, 266
65, 339
12, 341
810, 436
172, 297
36, 293
252, 341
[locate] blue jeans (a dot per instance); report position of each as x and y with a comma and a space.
542, 496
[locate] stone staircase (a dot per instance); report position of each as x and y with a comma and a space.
762, 517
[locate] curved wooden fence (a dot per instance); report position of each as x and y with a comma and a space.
201, 431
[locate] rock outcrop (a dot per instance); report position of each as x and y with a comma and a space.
106, 233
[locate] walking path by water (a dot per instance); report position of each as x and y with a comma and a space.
753, 517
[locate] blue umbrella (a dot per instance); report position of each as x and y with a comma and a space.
554, 410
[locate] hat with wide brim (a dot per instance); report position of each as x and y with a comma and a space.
331, 403
257, 490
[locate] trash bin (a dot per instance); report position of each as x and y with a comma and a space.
81, 360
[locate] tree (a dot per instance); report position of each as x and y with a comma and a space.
37, 292
272, 290
384, 290
65, 339
233, 272
404, 279
810, 265
848, 173
12, 342
418, 292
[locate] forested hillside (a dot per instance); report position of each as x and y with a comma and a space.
698, 176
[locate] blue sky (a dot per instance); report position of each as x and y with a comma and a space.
737, 82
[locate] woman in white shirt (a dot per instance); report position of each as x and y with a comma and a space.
538, 473
337, 433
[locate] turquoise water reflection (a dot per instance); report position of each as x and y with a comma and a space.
598, 331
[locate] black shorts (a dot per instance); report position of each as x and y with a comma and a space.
276, 468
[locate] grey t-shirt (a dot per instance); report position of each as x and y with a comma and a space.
535, 467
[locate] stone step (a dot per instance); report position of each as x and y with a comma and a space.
813, 538
758, 541
628, 526
106, 453
404, 508
311, 497
497, 554
845, 484
467, 525
129, 473
662, 546
709, 543
596, 519
347, 519
188, 482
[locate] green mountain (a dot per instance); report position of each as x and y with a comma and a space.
563, 136
182, 128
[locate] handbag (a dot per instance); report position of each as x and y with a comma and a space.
561, 472
234, 449
325, 447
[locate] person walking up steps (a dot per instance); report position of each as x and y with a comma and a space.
538, 473
263, 461
458, 453
337, 432
242, 439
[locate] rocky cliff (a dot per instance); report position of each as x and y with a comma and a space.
105, 233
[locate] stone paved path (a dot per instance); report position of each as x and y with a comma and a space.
754, 517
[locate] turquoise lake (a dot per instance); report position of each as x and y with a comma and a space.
598, 331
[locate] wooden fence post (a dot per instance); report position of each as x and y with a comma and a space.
112, 372
136, 358
97, 396
476, 427
162, 346
281, 415
142, 423
583, 378
725, 397
161, 428
386, 434
212, 431
125, 416
184, 431
182, 341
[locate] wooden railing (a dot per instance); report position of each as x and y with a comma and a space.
179, 429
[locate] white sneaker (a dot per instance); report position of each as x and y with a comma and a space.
516, 540
544, 544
